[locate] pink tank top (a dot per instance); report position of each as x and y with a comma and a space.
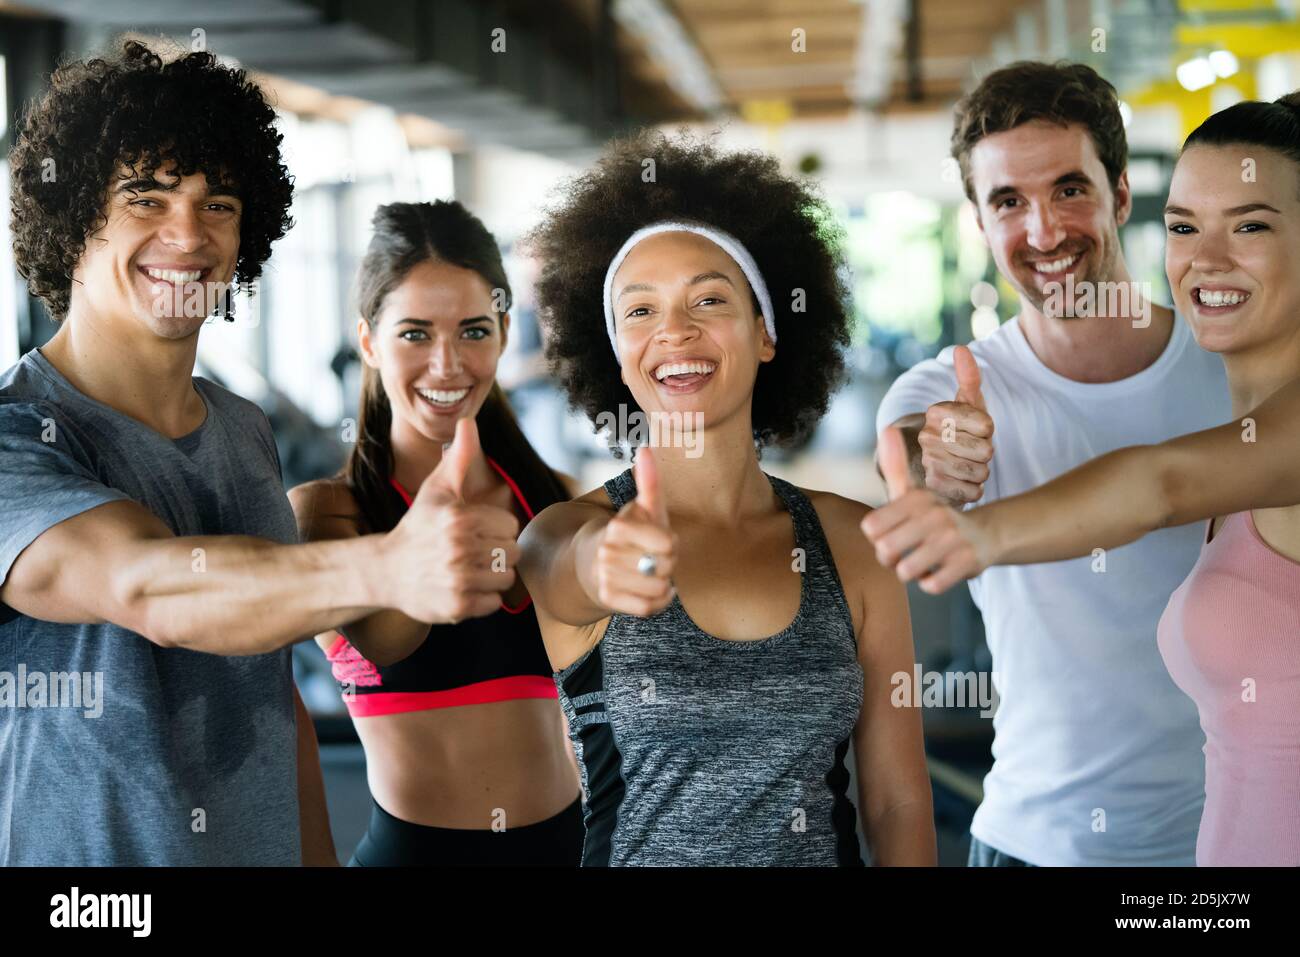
1230, 638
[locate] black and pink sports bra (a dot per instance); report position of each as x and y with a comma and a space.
480, 660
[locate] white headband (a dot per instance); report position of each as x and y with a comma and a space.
725, 241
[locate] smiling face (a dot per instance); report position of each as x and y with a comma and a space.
1230, 253
435, 344
1046, 207
168, 247
688, 334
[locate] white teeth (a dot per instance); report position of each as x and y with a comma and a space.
1220, 298
172, 275
443, 397
1056, 265
683, 368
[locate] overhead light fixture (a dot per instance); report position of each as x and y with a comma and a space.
880, 38
1223, 62
1195, 74
684, 66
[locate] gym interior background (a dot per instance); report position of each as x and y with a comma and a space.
493, 102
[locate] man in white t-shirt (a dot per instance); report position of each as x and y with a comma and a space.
1098, 757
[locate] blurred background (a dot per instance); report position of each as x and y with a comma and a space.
493, 102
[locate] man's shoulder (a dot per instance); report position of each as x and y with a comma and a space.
227, 403
1191, 357
1195, 385
992, 351
17, 411
27, 399
935, 379
246, 419
23, 382
996, 349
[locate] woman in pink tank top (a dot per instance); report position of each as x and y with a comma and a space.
467, 756
1230, 635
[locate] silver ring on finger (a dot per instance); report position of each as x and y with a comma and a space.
647, 564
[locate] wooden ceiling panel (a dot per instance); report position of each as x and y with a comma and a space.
747, 44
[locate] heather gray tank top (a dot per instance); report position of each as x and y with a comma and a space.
696, 750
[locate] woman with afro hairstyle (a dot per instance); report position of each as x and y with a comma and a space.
718, 634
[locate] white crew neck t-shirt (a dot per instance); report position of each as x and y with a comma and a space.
1098, 755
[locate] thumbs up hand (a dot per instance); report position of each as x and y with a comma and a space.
917, 533
633, 561
892, 456
956, 442
449, 561
446, 483
968, 378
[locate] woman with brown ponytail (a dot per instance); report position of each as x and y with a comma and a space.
465, 741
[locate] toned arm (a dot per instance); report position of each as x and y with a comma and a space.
554, 547
228, 594
894, 795
326, 511
1118, 498
1107, 502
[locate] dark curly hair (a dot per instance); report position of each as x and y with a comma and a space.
191, 114
782, 221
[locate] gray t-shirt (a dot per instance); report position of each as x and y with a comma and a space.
114, 751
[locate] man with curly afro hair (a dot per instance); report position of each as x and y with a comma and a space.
693, 303
138, 125
150, 577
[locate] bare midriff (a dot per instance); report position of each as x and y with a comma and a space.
505, 763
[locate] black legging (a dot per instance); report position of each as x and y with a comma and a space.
391, 842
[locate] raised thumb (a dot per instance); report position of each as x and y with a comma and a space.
450, 474
891, 454
646, 476
968, 378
